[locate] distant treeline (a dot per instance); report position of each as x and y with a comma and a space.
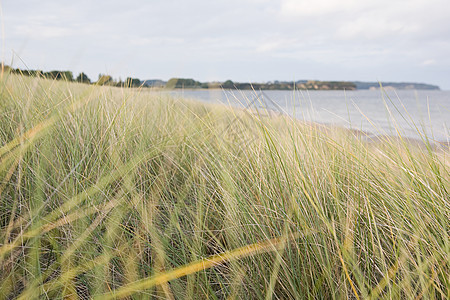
82, 77
187, 83
395, 85
176, 83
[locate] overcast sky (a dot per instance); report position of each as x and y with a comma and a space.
242, 40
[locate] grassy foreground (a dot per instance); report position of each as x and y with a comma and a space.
111, 193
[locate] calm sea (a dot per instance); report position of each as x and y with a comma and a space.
409, 112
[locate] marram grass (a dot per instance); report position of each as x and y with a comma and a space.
122, 193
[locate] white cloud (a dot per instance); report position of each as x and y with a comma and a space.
276, 44
429, 62
305, 8
372, 27
155, 41
41, 31
368, 19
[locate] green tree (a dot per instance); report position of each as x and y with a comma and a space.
52, 75
104, 80
67, 75
228, 84
59, 75
83, 78
178, 83
132, 82
172, 83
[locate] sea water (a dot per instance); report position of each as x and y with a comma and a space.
410, 113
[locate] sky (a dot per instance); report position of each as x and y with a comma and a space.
241, 40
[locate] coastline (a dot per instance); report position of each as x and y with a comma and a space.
367, 135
